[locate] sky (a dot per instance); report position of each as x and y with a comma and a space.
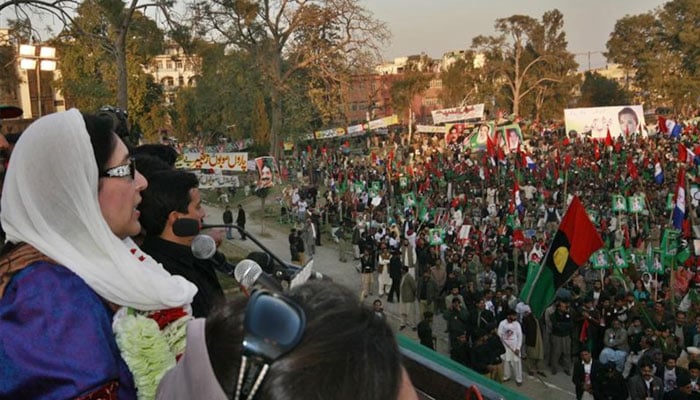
437, 26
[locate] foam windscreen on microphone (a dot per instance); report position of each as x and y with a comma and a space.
203, 247
247, 273
184, 227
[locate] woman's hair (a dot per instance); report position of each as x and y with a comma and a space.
347, 352
102, 137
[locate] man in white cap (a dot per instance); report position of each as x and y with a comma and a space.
690, 353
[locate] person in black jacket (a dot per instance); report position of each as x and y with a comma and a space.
395, 266
586, 371
425, 330
228, 219
562, 327
171, 195
240, 220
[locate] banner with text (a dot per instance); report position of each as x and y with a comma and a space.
475, 111
223, 161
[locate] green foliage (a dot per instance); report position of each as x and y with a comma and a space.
91, 81
661, 48
529, 62
599, 91
412, 83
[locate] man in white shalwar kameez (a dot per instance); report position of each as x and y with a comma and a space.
511, 335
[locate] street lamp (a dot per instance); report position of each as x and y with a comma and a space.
38, 58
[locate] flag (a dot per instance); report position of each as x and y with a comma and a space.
661, 124
632, 168
658, 173
572, 245
679, 208
687, 155
517, 202
608, 139
528, 161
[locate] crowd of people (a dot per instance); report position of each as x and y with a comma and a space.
446, 229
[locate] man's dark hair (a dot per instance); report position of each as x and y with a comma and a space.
167, 191
162, 151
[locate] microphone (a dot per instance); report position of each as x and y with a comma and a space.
185, 227
249, 273
203, 247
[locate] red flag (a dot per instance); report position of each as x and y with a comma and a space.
567, 161
662, 127
596, 151
608, 139
631, 168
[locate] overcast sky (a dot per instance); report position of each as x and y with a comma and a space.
437, 26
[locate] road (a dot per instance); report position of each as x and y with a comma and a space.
326, 261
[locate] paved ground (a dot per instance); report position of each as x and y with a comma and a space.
326, 261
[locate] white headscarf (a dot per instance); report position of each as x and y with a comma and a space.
50, 201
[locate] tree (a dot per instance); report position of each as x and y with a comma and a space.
92, 80
288, 36
460, 83
661, 48
261, 124
410, 84
525, 55
599, 91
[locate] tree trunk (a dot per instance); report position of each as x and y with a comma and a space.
276, 105
120, 58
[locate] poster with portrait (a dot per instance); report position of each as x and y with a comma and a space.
409, 200
436, 236
480, 134
618, 256
635, 204
619, 204
456, 133
266, 171
403, 182
599, 259
593, 216
654, 263
358, 187
509, 137
669, 246
620, 120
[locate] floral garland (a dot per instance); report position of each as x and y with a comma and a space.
150, 343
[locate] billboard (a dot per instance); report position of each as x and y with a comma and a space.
620, 120
475, 111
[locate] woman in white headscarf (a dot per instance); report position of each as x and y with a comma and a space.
68, 267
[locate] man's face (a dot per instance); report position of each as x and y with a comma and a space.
670, 363
585, 357
647, 372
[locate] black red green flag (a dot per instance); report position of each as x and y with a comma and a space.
572, 245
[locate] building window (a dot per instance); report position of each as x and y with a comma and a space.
436, 83
169, 65
181, 81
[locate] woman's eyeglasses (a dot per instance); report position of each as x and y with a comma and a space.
121, 171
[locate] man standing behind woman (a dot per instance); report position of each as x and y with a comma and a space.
68, 227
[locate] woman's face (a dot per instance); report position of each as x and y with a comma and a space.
119, 196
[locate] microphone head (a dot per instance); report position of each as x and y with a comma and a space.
203, 247
247, 273
184, 227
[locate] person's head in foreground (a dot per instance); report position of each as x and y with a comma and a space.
344, 352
